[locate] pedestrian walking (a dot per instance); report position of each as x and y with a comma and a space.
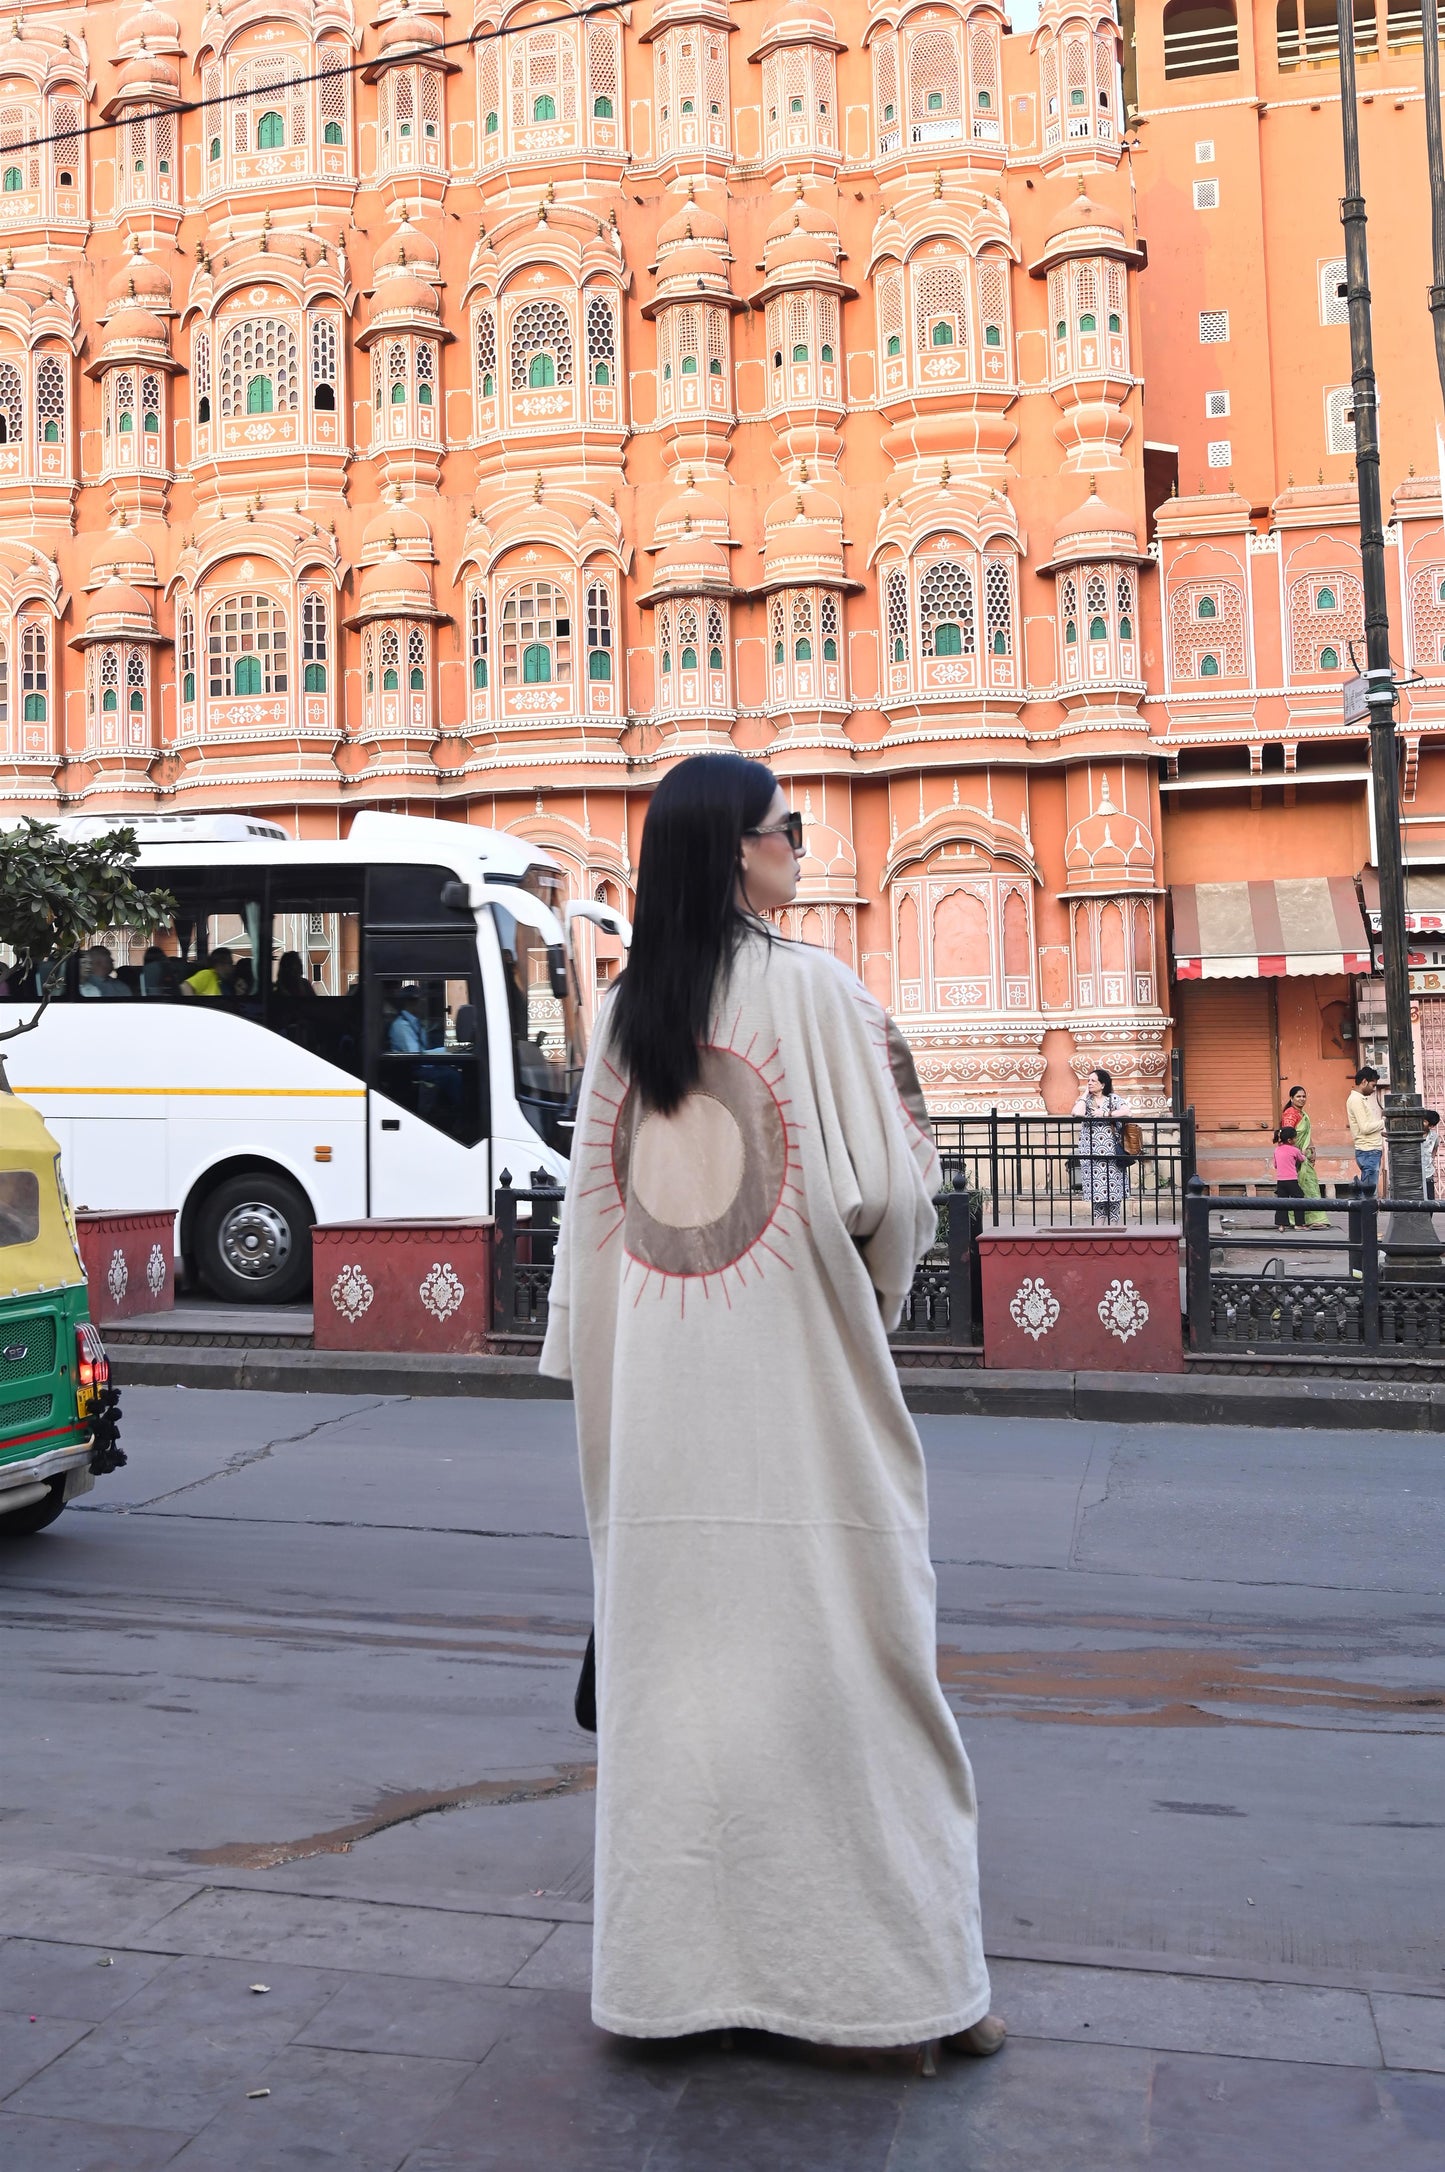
1287, 1164
1366, 1120
786, 1821
1103, 1168
1429, 1147
1295, 1118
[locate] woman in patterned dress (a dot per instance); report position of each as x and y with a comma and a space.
1103, 1172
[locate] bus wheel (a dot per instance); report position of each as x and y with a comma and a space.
253, 1240
25, 1522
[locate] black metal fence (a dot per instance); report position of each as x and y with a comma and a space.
1050, 1171
1366, 1285
943, 1312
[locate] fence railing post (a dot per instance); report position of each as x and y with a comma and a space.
504, 1255
1196, 1264
993, 1163
1369, 1211
960, 1262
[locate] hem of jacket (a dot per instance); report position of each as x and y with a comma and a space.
806, 2029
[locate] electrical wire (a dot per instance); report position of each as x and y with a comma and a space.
321, 75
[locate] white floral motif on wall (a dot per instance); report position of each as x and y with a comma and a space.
1034, 1308
352, 1292
442, 1290
117, 1276
1123, 1310
156, 1271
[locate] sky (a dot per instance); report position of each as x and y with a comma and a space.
1023, 14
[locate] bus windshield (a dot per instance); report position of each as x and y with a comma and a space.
548, 1034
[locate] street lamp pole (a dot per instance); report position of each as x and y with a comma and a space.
1403, 1125
1430, 27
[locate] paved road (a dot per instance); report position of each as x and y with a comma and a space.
293, 1690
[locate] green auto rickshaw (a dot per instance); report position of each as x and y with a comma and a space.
59, 1414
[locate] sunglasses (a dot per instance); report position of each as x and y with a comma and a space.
790, 827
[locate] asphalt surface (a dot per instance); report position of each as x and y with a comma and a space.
294, 1688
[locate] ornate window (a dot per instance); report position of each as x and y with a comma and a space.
604, 84
691, 637
477, 645
805, 647
258, 372
541, 351
1088, 306
536, 636
147, 160
489, 102
804, 343
186, 656
1326, 614
314, 642
50, 375
12, 405
35, 671
940, 320
896, 628
1079, 82
201, 378
246, 648
325, 380
935, 84
485, 350
1207, 630
416, 660
885, 94
800, 100
41, 173
601, 341
599, 632
1427, 617
691, 102
409, 106
963, 942
1098, 609
946, 610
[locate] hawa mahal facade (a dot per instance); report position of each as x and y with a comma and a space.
472, 413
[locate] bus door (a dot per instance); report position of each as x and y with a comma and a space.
429, 1108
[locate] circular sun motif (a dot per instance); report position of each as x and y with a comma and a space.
701, 1188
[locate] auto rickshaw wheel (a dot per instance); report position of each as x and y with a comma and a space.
25, 1522
253, 1240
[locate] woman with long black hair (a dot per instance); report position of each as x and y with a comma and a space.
786, 1825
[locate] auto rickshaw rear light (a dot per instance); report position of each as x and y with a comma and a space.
92, 1366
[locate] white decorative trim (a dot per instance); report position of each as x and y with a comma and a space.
117, 1276
1034, 1307
1123, 1310
442, 1290
156, 1271
352, 1292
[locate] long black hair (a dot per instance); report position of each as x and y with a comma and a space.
688, 924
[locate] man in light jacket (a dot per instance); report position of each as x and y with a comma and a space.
1366, 1120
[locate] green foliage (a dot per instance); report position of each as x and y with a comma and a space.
57, 894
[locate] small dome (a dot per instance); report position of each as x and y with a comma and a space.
800, 254
408, 249
1096, 519
398, 528
395, 576
688, 560
801, 502
798, 20
147, 72
692, 221
691, 510
403, 295
684, 267
134, 327
799, 216
117, 600
410, 30
149, 26
138, 281
1083, 215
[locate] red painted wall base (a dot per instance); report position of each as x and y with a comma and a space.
1082, 1300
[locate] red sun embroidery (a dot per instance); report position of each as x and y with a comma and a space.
708, 1195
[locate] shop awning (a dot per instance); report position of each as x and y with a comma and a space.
1424, 899
1265, 930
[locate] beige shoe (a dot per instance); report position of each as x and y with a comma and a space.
982, 2040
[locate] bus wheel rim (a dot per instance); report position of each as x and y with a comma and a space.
255, 1240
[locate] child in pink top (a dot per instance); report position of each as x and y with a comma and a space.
1287, 1159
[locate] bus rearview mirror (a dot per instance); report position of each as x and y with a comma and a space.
557, 970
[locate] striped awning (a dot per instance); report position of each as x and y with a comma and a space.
1424, 899
1265, 930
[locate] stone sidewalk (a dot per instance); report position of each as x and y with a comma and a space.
150, 2021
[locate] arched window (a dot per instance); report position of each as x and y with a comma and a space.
325, 343
544, 108
946, 609
50, 375
536, 635
270, 132
34, 672
1325, 600
389, 652
1209, 667
599, 632
332, 133
213, 154
14, 180
602, 109
260, 396
259, 371
135, 680
1329, 659
313, 642
246, 647
895, 589
416, 660
477, 629
943, 335
541, 346
486, 355
1206, 608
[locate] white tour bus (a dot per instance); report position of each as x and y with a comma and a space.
400, 1021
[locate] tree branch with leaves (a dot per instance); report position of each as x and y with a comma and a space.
58, 894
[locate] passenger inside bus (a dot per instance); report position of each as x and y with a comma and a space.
98, 978
291, 984
212, 980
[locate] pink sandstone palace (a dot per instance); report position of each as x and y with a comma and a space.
471, 414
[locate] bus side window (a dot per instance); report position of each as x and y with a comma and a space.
427, 1032
313, 993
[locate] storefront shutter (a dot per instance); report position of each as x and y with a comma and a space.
1226, 1030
